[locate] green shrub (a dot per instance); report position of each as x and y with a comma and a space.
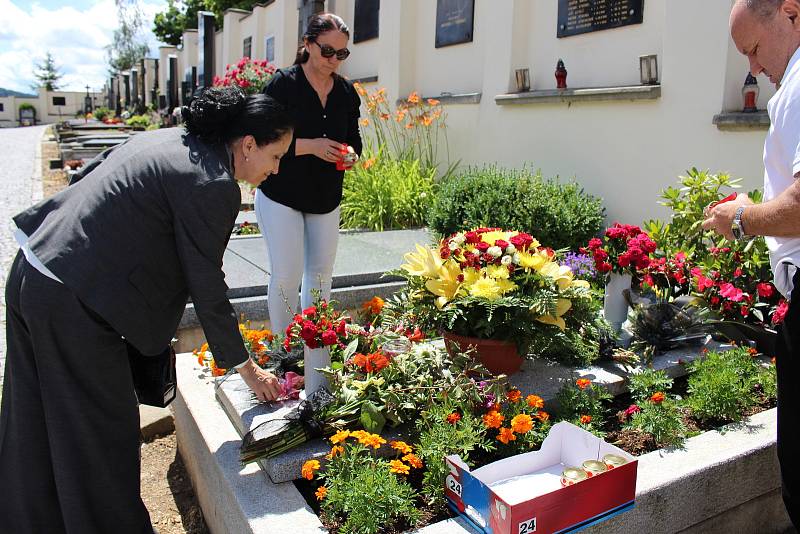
559, 215
767, 382
439, 438
649, 381
26, 105
663, 421
138, 121
721, 385
101, 113
583, 403
383, 193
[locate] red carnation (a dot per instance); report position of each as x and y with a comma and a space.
311, 311
329, 337
595, 243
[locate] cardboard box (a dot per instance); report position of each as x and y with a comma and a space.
523, 494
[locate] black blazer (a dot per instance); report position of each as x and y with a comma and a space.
144, 226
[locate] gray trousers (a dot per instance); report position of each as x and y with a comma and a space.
69, 421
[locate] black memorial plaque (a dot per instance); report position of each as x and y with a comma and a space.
365, 26
454, 21
584, 16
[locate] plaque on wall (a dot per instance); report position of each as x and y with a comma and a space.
584, 16
454, 22
365, 25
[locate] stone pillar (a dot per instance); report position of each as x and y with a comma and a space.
126, 82
397, 48
172, 83
205, 48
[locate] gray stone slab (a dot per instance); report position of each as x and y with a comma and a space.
252, 249
246, 216
234, 498
243, 278
255, 308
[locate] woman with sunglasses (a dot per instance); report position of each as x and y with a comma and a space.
298, 208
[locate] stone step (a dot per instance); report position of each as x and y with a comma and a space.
722, 481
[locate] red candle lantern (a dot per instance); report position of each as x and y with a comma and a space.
750, 92
561, 75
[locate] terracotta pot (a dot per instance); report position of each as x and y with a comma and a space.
499, 357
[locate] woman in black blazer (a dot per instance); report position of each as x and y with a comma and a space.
107, 262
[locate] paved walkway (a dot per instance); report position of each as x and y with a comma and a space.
20, 186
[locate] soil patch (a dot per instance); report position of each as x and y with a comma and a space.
167, 489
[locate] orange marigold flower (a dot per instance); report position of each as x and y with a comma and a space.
493, 419
321, 493
542, 416
396, 466
433, 102
372, 440
521, 423
413, 98
340, 436
336, 450
216, 371
309, 468
373, 305
535, 401
514, 395
583, 383
586, 419
657, 397
752, 352
413, 460
401, 446
454, 418
506, 435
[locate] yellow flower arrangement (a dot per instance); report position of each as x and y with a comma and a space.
495, 284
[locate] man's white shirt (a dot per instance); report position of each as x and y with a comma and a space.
781, 164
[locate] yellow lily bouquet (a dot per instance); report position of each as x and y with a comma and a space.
491, 283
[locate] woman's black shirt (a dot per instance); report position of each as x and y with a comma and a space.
307, 183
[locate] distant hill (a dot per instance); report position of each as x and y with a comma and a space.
9, 92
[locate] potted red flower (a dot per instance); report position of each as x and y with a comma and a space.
623, 250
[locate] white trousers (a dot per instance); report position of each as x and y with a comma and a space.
301, 246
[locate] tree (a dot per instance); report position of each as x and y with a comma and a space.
47, 74
181, 15
170, 24
128, 45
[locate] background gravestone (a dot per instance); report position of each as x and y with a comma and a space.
584, 16
365, 25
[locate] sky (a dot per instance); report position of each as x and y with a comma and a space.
75, 32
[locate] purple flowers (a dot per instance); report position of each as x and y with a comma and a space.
582, 265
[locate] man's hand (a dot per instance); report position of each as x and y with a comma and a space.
720, 217
263, 384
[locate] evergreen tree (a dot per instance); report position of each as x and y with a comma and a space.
47, 74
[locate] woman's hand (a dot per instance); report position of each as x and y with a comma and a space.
263, 384
326, 150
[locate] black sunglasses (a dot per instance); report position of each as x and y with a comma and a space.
328, 51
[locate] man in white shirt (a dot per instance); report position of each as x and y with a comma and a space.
768, 33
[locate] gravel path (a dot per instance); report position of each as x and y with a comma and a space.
20, 187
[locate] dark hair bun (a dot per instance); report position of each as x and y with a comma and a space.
211, 112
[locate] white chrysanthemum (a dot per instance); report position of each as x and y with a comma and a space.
452, 245
459, 238
495, 251
511, 249
515, 258
505, 260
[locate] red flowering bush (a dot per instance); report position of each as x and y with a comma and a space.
625, 248
318, 326
249, 74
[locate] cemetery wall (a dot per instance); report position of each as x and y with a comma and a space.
51, 106
616, 143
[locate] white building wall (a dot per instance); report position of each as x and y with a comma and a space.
624, 151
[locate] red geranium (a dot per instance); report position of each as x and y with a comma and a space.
625, 248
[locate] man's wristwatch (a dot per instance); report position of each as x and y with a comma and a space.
736, 226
